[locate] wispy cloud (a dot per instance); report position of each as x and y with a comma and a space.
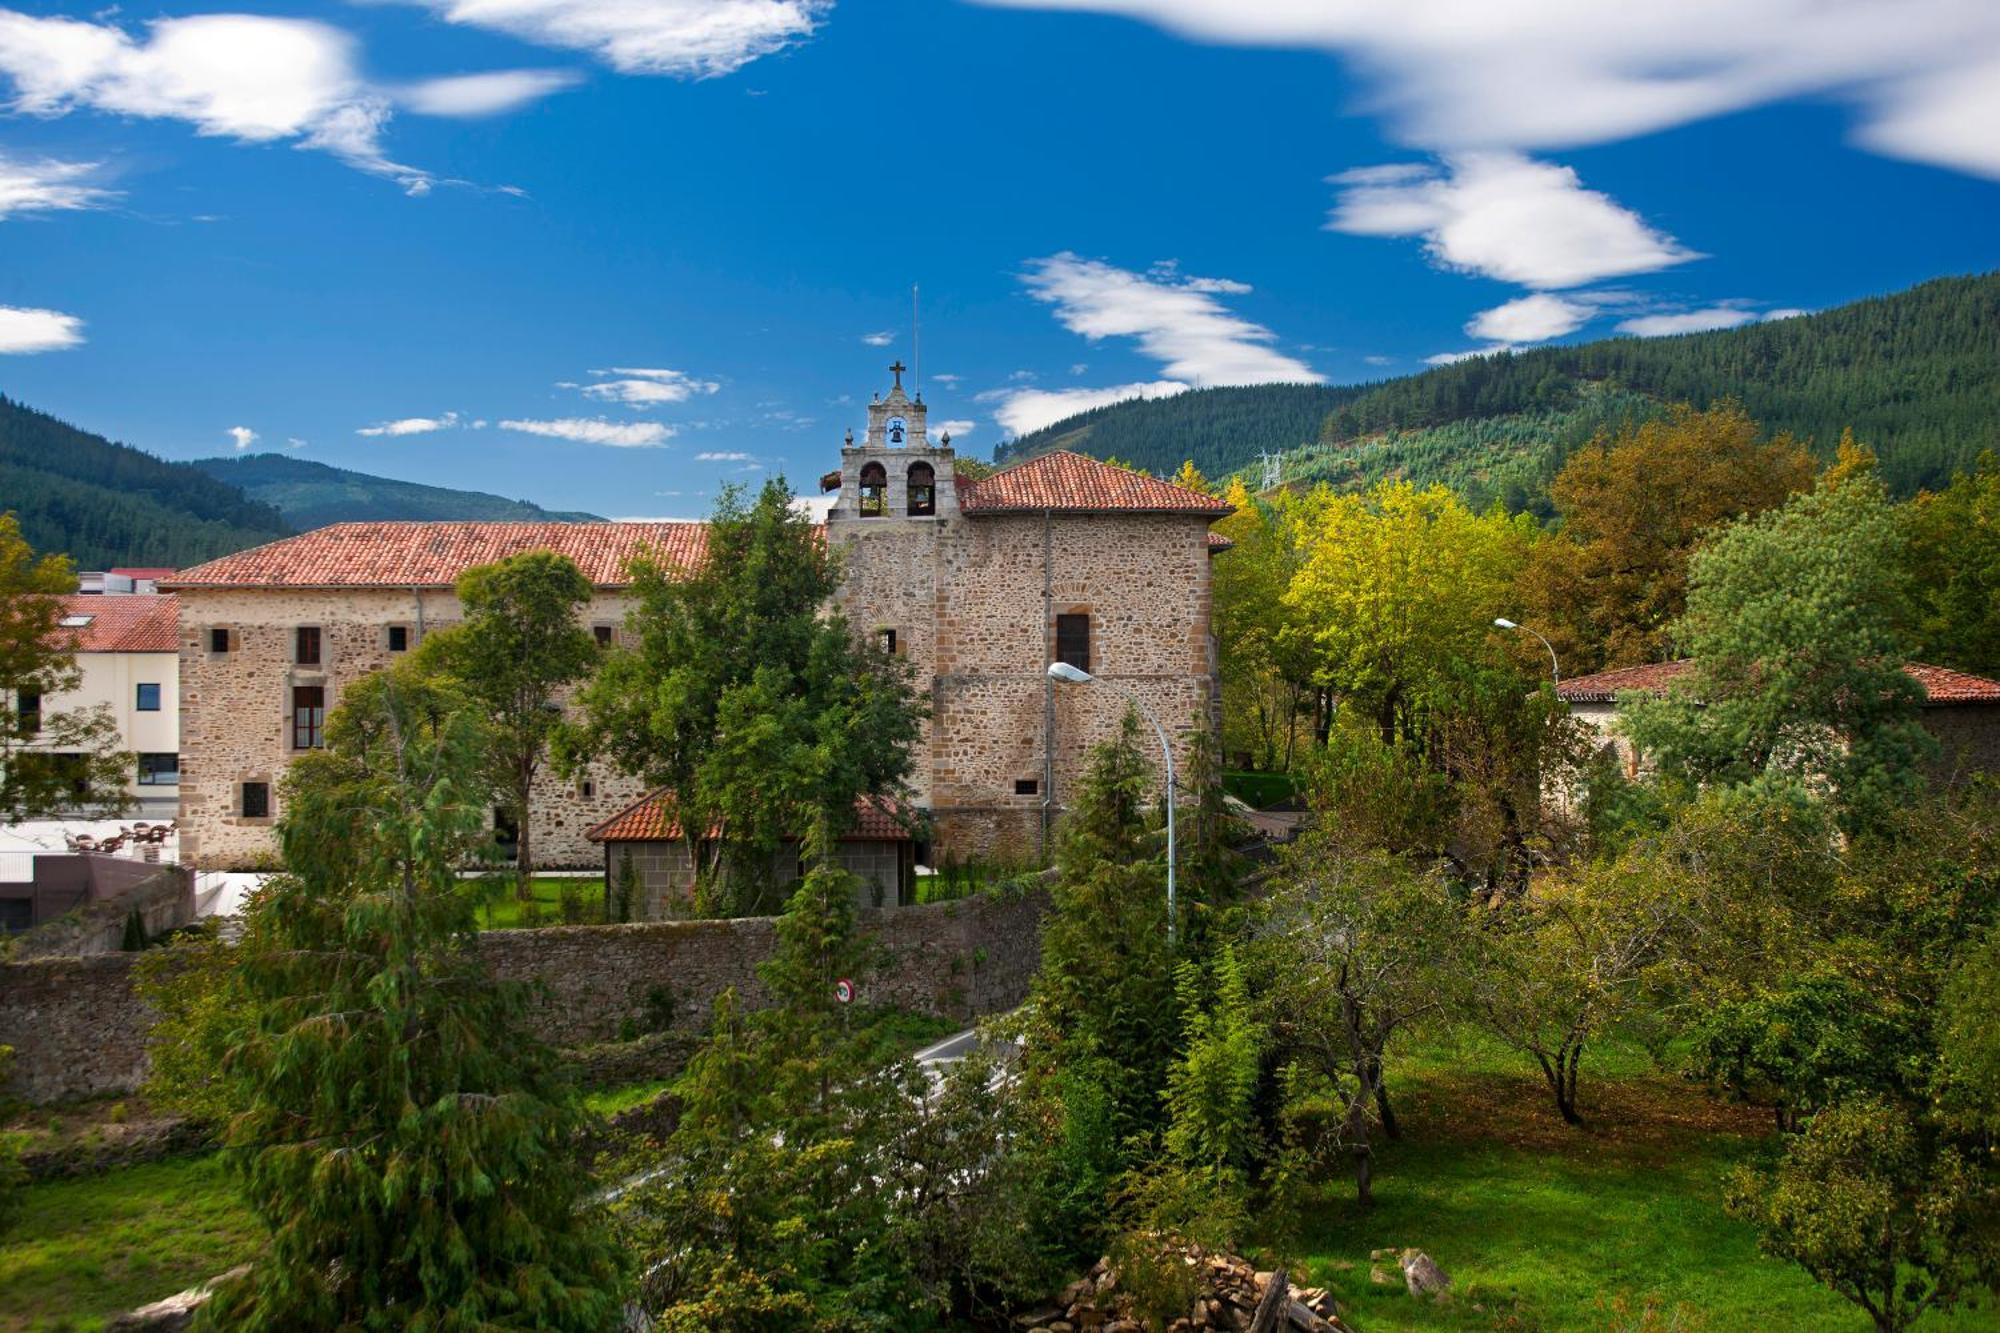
1504, 216
243, 436
880, 338
684, 38
412, 425
958, 430
468, 96
1666, 323
596, 430
47, 185
637, 387
1176, 321
26, 329
722, 457
1022, 410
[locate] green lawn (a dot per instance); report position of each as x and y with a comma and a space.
82, 1250
499, 909
1259, 791
1618, 1225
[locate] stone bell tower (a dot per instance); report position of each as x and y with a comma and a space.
896, 472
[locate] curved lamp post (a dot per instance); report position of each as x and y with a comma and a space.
1555, 667
1064, 673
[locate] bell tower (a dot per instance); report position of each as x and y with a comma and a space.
896, 472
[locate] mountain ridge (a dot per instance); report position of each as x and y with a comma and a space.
312, 494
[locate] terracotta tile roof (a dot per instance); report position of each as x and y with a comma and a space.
1066, 481
131, 623
1218, 542
144, 571
1942, 685
433, 555
646, 820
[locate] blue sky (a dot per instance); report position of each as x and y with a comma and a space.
608, 254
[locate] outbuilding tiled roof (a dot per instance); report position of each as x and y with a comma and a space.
129, 623
1942, 686
646, 820
433, 555
1070, 482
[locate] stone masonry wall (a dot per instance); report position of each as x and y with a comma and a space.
236, 710
78, 1029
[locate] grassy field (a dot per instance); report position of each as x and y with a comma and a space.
81, 1251
499, 909
1260, 791
1617, 1225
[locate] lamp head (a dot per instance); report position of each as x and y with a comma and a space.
1069, 675
1505, 623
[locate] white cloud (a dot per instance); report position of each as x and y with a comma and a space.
25, 329
1196, 338
880, 338
467, 95
958, 430
1665, 323
586, 430
241, 76
1449, 358
949, 381
1504, 216
243, 435
411, 426
1530, 319
45, 185
1788, 312
1380, 360
1024, 410
715, 457
684, 38
636, 387
1923, 76
294, 442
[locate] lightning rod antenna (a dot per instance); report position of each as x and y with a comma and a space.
916, 344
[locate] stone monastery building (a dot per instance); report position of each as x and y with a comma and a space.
981, 584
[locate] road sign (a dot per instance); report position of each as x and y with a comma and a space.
843, 991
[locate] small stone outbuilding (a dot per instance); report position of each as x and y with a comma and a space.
880, 849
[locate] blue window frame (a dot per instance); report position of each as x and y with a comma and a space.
149, 699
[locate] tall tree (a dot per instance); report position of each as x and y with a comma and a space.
50, 761
1954, 562
1798, 676
519, 648
1633, 506
751, 703
407, 1143
1265, 644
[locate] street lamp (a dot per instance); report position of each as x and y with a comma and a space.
1064, 673
1555, 667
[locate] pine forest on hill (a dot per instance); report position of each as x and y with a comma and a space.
1916, 375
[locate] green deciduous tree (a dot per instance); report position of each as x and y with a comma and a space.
1264, 644
1798, 680
752, 704
51, 760
1954, 564
1608, 589
520, 647
408, 1145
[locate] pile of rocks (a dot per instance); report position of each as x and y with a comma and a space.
1234, 1297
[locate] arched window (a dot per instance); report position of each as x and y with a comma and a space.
874, 490
923, 490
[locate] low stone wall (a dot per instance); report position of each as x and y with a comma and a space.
78, 1029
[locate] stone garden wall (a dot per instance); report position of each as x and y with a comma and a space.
78, 1029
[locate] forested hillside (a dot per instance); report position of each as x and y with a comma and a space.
109, 504
1915, 374
311, 495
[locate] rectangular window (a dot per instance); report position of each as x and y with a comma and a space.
149, 699
29, 706
305, 643
218, 639
506, 833
888, 638
602, 633
1027, 786
159, 770
1073, 641
399, 638
256, 800
308, 716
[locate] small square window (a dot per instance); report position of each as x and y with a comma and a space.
1027, 786
305, 645
602, 633
218, 639
149, 699
256, 800
159, 770
399, 638
888, 639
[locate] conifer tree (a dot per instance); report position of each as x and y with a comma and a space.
406, 1142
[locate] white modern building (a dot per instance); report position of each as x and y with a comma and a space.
128, 654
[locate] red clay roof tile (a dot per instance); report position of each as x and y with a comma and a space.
128, 623
433, 555
1071, 482
1942, 685
646, 820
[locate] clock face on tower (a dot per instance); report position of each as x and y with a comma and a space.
895, 430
